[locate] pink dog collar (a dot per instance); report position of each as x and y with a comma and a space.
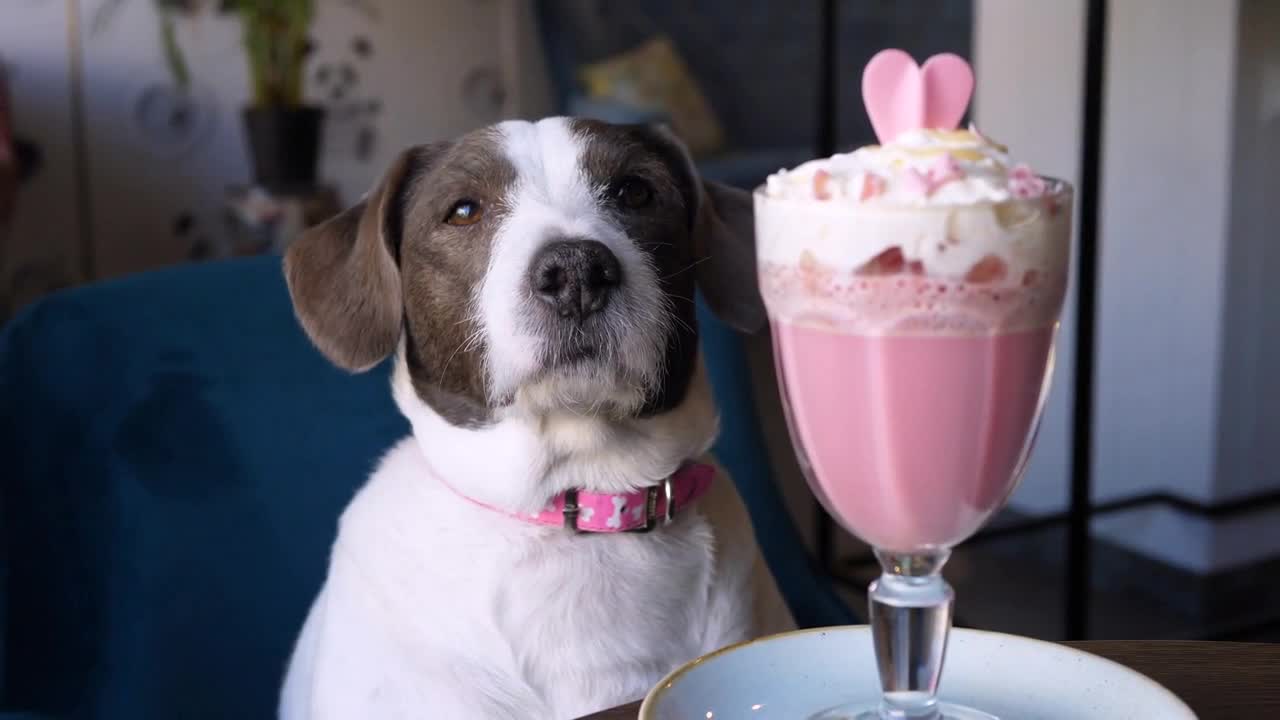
638, 511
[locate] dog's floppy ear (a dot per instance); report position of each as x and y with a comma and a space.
724, 240
343, 274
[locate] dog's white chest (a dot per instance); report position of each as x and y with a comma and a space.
613, 612
433, 602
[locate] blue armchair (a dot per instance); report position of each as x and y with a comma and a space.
175, 459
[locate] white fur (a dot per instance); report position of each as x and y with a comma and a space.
553, 200
435, 607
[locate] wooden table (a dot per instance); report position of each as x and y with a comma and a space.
1220, 681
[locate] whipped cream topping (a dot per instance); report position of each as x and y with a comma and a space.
919, 168
933, 205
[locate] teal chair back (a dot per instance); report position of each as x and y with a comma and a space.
176, 457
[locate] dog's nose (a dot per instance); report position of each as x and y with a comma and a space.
575, 277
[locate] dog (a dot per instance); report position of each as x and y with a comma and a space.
535, 284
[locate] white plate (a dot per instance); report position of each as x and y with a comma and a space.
793, 675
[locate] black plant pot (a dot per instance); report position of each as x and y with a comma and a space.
285, 145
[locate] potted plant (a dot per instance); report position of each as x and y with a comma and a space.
283, 131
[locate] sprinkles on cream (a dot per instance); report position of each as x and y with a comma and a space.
920, 167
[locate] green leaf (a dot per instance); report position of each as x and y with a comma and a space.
274, 34
173, 54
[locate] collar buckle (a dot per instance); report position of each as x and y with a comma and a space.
667, 488
571, 510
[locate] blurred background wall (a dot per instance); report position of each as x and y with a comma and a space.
1187, 329
158, 163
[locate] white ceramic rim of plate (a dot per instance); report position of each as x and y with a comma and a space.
647, 707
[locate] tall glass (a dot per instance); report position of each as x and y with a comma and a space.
913, 347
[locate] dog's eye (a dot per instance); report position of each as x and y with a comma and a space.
464, 212
634, 193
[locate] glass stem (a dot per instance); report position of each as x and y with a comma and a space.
910, 619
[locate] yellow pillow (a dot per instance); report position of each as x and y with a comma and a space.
654, 77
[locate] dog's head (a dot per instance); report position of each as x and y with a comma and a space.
540, 266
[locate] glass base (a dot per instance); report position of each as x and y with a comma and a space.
872, 711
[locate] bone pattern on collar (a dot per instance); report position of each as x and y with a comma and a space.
635, 511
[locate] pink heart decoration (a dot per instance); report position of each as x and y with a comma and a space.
901, 95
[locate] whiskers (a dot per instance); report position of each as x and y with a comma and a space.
469, 343
684, 269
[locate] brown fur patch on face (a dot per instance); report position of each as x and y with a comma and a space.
442, 268
662, 230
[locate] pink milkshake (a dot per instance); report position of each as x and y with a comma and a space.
914, 290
